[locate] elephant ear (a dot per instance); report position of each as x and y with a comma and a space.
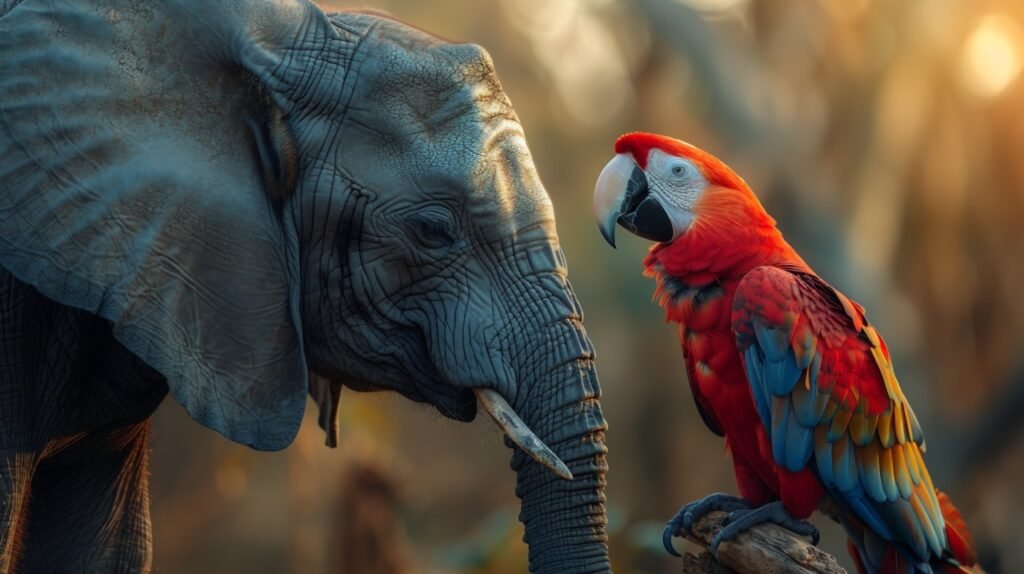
142, 178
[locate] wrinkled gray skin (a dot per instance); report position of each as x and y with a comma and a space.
219, 198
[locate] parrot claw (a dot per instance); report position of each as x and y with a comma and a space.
740, 521
666, 539
690, 513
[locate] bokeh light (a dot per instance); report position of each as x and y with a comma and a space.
714, 5
991, 56
579, 55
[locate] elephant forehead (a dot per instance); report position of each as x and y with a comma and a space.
515, 184
412, 54
429, 87
434, 107
442, 116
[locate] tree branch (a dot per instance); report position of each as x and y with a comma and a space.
764, 549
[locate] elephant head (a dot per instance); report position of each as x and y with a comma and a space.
254, 191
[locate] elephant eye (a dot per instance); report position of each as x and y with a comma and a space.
434, 229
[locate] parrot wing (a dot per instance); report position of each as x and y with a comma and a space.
824, 387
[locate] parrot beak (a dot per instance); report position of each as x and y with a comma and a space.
622, 196
610, 193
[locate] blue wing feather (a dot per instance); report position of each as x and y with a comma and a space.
781, 376
809, 402
867, 511
773, 342
754, 360
844, 465
799, 443
870, 479
823, 456
780, 416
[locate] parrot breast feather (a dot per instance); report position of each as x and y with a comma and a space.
826, 392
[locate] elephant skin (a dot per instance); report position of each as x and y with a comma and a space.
223, 199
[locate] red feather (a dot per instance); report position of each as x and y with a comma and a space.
961, 543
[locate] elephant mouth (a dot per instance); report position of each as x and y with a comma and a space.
459, 404
462, 406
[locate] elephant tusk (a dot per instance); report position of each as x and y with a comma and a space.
517, 431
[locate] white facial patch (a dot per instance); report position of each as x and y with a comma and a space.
677, 184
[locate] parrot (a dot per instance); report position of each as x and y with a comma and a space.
782, 365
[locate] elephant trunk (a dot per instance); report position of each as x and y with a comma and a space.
558, 398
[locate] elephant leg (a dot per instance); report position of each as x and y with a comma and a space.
15, 477
89, 506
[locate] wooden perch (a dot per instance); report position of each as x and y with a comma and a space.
764, 549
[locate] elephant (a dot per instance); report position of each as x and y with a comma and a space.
244, 202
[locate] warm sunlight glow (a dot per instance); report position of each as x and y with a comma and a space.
991, 57
578, 52
713, 5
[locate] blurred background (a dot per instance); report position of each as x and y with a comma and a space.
885, 136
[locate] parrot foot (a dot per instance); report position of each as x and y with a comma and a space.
691, 513
740, 521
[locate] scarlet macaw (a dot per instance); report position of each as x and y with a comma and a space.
781, 364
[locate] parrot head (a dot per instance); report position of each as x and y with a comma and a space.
658, 187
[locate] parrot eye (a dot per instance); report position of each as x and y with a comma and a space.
680, 170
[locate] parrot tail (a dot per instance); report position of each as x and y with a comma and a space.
961, 543
872, 555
